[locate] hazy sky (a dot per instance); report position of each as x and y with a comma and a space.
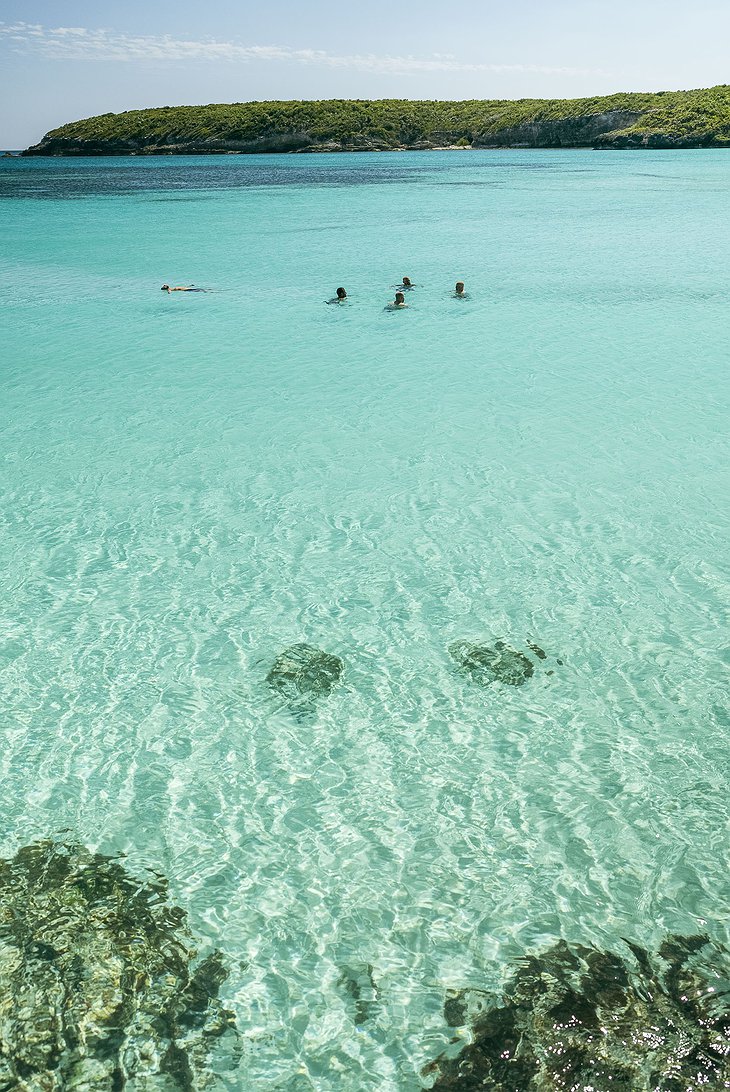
61, 60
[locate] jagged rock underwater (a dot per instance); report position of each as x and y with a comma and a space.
302, 671
577, 1019
100, 988
665, 119
499, 662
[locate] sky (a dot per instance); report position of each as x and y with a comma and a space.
61, 60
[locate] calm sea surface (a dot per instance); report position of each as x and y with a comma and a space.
191, 483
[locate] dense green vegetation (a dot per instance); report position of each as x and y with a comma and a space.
663, 119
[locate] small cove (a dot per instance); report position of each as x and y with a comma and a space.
192, 484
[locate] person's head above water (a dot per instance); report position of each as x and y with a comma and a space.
407, 282
166, 288
397, 304
460, 288
341, 294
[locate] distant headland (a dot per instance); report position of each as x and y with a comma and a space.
664, 119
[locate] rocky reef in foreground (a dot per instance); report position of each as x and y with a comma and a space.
664, 119
101, 990
578, 1019
100, 986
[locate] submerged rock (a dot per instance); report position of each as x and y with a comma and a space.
486, 664
303, 671
99, 987
577, 1018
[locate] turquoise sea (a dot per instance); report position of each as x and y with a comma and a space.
190, 483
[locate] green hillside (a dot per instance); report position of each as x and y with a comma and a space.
664, 119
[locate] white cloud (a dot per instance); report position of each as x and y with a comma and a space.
83, 44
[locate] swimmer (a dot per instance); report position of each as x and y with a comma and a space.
459, 290
183, 288
407, 285
398, 303
339, 297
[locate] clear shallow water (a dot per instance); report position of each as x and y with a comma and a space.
190, 483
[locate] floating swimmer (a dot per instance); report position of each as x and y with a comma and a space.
339, 297
459, 290
407, 285
183, 288
398, 303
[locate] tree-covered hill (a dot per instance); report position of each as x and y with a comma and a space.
665, 119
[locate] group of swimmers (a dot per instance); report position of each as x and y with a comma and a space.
340, 296
400, 290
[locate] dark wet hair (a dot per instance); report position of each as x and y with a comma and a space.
341, 294
400, 298
407, 282
459, 286
165, 287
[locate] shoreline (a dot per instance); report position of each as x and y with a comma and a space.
161, 153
